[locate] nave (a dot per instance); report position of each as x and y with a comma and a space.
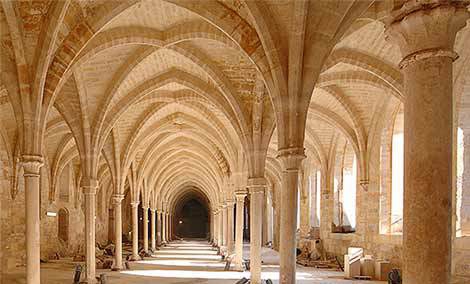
186, 262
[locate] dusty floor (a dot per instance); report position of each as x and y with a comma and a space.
184, 262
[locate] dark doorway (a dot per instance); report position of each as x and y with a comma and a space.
192, 220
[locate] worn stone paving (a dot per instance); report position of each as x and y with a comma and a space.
180, 263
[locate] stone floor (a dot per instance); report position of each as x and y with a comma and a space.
185, 262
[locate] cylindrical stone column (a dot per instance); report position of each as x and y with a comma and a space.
164, 240
32, 166
221, 228
224, 227
135, 231
167, 226
117, 201
230, 205
425, 35
240, 196
290, 160
216, 228
145, 227
170, 225
256, 189
159, 228
89, 187
153, 241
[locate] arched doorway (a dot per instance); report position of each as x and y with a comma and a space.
63, 225
192, 219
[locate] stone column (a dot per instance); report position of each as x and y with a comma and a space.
89, 187
164, 240
167, 227
135, 231
240, 196
230, 205
159, 228
425, 34
117, 200
170, 224
32, 166
145, 227
224, 227
256, 189
153, 242
291, 160
216, 228
221, 228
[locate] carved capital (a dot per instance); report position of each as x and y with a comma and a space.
364, 184
240, 196
32, 164
135, 204
425, 29
117, 198
89, 185
230, 203
291, 158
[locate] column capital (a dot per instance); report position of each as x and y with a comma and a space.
153, 210
32, 164
256, 185
230, 203
89, 185
135, 204
240, 196
145, 207
291, 158
425, 29
117, 198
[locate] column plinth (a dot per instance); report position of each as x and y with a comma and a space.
32, 165
425, 34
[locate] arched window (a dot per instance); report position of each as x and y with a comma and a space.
392, 176
344, 188
63, 226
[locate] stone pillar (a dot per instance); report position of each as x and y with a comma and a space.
216, 232
170, 224
256, 189
224, 227
135, 231
167, 227
240, 196
291, 160
159, 228
89, 187
425, 34
145, 227
221, 227
230, 205
117, 200
164, 239
153, 242
32, 166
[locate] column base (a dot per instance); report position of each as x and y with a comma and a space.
135, 258
89, 281
116, 268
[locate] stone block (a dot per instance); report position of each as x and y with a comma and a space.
382, 268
